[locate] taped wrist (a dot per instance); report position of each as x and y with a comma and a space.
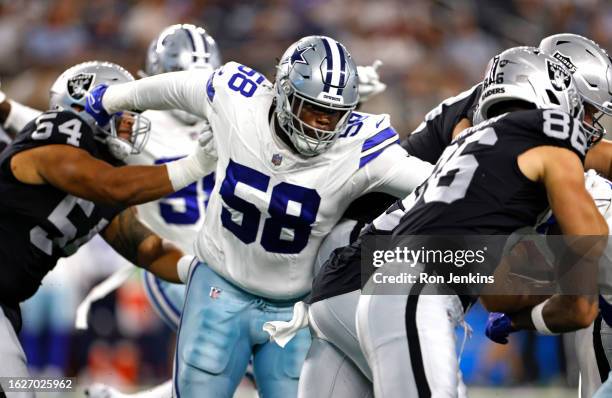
538, 319
185, 171
183, 267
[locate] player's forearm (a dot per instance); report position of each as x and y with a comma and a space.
508, 303
185, 90
160, 258
132, 185
561, 313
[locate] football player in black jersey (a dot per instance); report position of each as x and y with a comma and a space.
493, 180
592, 70
62, 182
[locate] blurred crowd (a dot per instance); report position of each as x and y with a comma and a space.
431, 49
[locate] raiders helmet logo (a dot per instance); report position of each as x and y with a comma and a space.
566, 61
559, 76
79, 85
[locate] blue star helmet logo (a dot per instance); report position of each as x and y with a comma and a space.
298, 55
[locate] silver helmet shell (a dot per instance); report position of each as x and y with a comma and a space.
182, 47
69, 92
315, 70
590, 66
527, 74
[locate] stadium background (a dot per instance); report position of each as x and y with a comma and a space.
431, 50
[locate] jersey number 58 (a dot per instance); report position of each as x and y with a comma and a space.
292, 211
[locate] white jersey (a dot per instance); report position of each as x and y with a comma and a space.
271, 208
179, 216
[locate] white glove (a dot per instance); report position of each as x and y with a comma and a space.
369, 81
601, 191
206, 140
282, 332
199, 164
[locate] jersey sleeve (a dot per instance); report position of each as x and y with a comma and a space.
396, 173
50, 128
384, 166
234, 80
18, 117
184, 90
57, 128
429, 139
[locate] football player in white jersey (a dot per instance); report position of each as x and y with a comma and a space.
291, 157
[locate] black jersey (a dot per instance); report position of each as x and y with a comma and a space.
40, 223
476, 188
432, 136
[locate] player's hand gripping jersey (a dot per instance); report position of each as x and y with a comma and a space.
40, 222
271, 208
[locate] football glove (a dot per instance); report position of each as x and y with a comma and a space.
369, 81
499, 327
93, 105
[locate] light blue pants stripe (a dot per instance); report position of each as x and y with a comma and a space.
166, 298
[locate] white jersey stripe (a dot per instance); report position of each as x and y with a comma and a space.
380, 146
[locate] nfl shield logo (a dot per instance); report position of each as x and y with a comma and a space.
215, 292
277, 158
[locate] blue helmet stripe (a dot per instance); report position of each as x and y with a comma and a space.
206, 47
342, 68
330, 65
193, 45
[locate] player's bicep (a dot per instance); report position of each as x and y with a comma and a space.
72, 170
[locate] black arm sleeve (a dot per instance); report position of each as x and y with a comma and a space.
429, 139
